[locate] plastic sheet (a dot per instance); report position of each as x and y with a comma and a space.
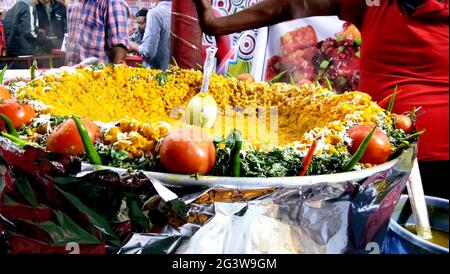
48, 201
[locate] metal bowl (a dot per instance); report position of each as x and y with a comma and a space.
178, 180
401, 241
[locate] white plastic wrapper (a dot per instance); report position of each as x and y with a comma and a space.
262, 227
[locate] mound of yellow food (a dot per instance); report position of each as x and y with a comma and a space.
300, 114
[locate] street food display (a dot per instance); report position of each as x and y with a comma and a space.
130, 114
107, 157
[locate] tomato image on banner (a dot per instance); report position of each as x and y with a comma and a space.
309, 49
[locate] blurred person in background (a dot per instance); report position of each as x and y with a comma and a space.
21, 31
2, 15
141, 19
52, 18
155, 47
97, 29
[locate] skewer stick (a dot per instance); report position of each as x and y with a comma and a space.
418, 203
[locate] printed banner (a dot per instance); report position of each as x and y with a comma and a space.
321, 48
309, 49
235, 51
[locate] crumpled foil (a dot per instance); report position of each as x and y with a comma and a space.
48, 201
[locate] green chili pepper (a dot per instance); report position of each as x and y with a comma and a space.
33, 69
236, 136
392, 101
328, 83
277, 78
414, 136
15, 139
175, 63
2, 73
291, 79
318, 77
9, 126
399, 149
89, 148
360, 151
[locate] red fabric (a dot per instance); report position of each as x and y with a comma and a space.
23, 245
411, 52
186, 36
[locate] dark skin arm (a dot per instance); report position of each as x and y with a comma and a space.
118, 54
265, 13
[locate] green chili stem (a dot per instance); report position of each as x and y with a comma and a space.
277, 78
402, 146
319, 76
15, 139
89, 148
175, 62
392, 101
414, 136
360, 151
328, 83
292, 79
236, 155
33, 69
2, 74
9, 126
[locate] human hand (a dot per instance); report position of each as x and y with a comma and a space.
133, 46
205, 15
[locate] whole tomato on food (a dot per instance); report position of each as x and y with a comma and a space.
379, 148
66, 139
403, 122
5, 94
188, 151
18, 114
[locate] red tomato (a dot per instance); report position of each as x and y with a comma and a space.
17, 113
403, 122
188, 151
379, 148
246, 77
65, 139
5, 93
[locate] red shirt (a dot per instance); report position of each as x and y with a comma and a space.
411, 51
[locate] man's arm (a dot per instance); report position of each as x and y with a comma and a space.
117, 31
265, 13
118, 54
26, 24
152, 35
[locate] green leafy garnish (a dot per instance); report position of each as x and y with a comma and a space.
324, 64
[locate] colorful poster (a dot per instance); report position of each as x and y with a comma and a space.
316, 48
235, 51
6, 4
